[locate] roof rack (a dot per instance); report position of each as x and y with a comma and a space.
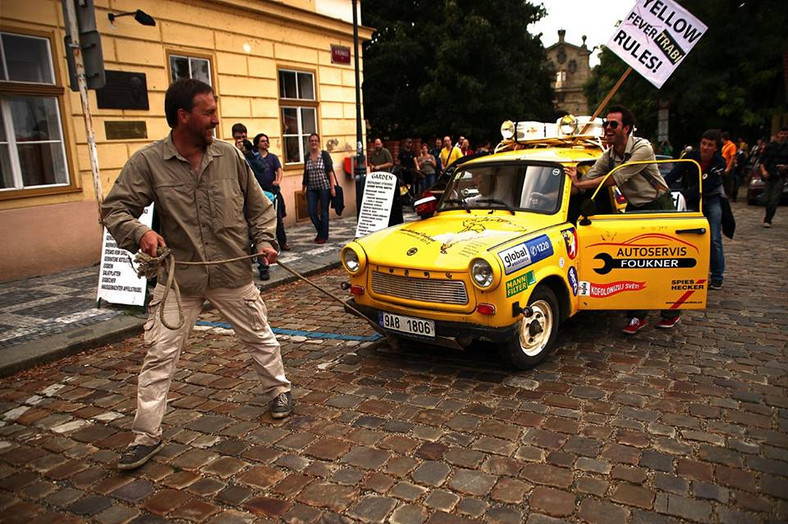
567, 131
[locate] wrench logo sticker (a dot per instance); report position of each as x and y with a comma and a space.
610, 263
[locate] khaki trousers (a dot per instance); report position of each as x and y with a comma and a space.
243, 307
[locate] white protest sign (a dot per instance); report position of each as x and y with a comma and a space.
118, 280
655, 37
376, 203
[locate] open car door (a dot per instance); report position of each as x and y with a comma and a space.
644, 260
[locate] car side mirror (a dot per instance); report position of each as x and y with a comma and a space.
587, 209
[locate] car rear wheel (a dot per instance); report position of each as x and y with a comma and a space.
536, 334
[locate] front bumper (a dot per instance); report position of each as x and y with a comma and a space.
445, 332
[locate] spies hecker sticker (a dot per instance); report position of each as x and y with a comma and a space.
525, 254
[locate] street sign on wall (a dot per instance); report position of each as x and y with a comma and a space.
655, 37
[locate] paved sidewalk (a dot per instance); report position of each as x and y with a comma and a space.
46, 317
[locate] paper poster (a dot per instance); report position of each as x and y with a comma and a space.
376, 203
655, 37
118, 280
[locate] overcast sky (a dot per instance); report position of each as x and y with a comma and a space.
594, 18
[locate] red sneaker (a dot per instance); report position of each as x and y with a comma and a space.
635, 325
667, 323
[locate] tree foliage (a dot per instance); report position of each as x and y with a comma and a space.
452, 66
733, 79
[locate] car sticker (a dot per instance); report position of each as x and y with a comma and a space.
526, 253
571, 275
561, 262
570, 239
589, 289
648, 240
700, 284
519, 284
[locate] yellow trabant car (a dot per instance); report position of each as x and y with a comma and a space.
511, 253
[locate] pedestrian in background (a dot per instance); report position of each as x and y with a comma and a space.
449, 153
428, 166
271, 180
729, 154
712, 167
319, 184
208, 200
436, 152
380, 158
774, 169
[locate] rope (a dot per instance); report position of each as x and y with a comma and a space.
148, 267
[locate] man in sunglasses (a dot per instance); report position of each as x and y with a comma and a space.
641, 184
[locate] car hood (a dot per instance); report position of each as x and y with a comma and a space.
449, 241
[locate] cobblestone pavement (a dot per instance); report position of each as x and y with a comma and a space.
667, 426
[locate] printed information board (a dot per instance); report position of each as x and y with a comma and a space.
376, 203
655, 37
118, 280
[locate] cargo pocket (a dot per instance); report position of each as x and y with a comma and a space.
255, 309
153, 310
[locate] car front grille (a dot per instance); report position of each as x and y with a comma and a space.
420, 289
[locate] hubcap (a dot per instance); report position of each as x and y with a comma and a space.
535, 330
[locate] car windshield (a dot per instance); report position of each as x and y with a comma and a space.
510, 186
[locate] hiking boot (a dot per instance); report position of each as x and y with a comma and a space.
264, 274
635, 325
136, 456
715, 284
282, 405
669, 322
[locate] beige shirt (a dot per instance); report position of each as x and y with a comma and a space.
636, 188
203, 213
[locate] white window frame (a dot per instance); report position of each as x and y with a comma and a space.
10, 141
189, 58
288, 103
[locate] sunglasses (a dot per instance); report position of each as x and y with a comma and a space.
613, 124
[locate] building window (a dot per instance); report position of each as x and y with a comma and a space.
190, 67
32, 149
560, 78
299, 112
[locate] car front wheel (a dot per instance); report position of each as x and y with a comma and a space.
536, 334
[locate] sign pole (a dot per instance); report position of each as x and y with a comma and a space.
607, 98
73, 27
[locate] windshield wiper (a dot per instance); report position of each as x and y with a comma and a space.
458, 201
498, 202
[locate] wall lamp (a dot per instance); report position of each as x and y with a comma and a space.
139, 15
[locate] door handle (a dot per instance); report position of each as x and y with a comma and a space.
696, 231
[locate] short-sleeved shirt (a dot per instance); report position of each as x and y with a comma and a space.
378, 158
447, 157
271, 165
636, 187
728, 152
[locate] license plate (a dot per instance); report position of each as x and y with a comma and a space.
413, 326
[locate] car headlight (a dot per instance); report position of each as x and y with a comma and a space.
350, 260
482, 273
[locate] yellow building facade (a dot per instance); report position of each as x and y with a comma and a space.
280, 68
